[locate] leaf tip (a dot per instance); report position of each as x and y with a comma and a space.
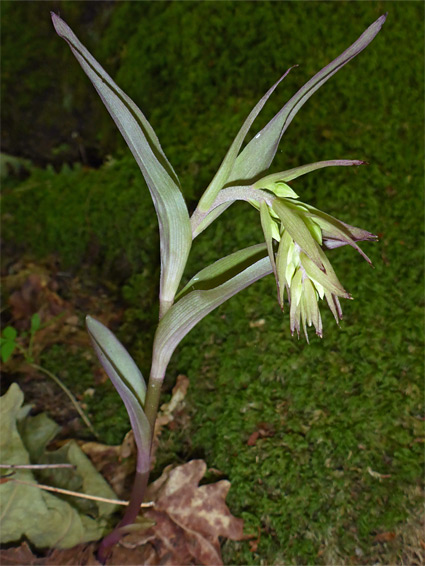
60, 26
91, 324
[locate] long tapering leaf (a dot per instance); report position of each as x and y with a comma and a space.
226, 166
257, 156
223, 269
194, 306
296, 172
127, 380
173, 217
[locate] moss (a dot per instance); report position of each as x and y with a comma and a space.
105, 217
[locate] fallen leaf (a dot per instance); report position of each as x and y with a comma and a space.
44, 519
81, 555
252, 440
36, 295
253, 544
115, 463
384, 537
18, 556
189, 518
264, 430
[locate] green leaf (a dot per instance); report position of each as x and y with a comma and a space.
9, 333
6, 350
196, 304
257, 156
127, 380
223, 269
173, 217
226, 166
118, 357
296, 172
266, 224
35, 322
327, 279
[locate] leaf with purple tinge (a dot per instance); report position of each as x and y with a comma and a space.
258, 155
253, 263
127, 380
296, 172
173, 217
220, 178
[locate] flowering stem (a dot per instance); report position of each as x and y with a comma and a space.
153, 394
227, 196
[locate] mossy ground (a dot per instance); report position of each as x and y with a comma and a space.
341, 409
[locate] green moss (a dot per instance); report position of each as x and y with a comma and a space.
102, 217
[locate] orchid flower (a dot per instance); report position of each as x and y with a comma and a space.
300, 233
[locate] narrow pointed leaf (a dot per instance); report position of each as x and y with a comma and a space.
194, 306
223, 172
257, 156
173, 217
118, 357
223, 269
334, 305
291, 174
128, 381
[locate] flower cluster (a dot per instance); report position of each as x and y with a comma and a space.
296, 235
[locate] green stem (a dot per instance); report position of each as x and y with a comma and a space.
227, 196
153, 394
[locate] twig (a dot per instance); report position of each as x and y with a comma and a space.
35, 466
69, 394
74, 493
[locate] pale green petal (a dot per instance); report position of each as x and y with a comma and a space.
327, 279
295, 225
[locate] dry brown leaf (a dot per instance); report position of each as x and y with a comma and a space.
264, 430
82, 555
189, 519
36, 294
384, 537
19, 556
141, 555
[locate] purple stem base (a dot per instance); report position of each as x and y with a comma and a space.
133, 509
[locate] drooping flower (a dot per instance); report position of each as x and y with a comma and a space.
296, 235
